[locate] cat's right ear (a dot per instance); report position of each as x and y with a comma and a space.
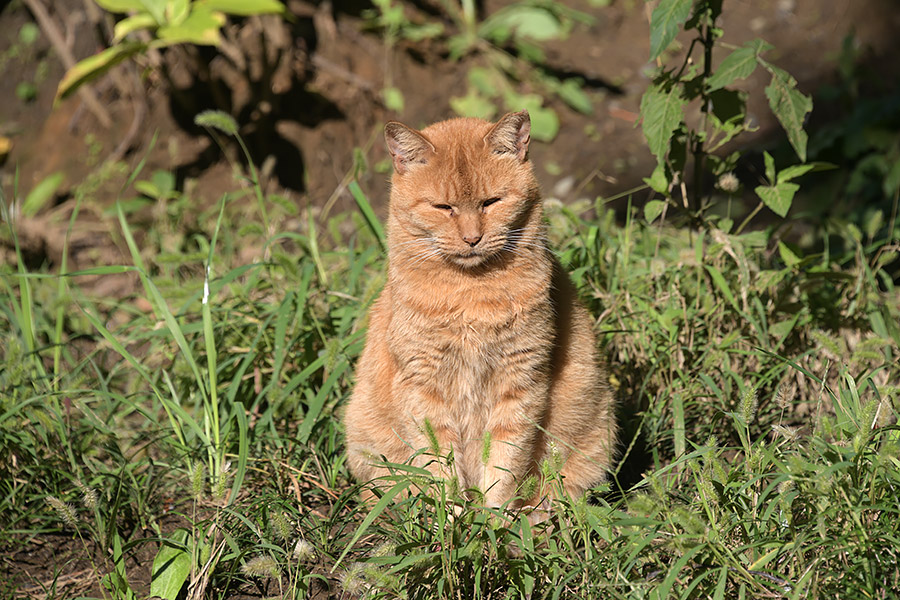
407, 146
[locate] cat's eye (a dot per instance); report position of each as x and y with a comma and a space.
487, 203
443, 207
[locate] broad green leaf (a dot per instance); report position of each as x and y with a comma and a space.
737, 65
572, 93
790, 107
658, 181
131, 24
177, 11
201, 27
393, 99
667, 19
662, 113
770, 167
473, 104
94, 66
778, 197
243, 8
121, 6
484, 80
653, 209
787, 255
795, 171
157, 8
532, 22
42, 193
171, 567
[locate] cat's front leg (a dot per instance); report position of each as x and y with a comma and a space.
428, 431
512, 427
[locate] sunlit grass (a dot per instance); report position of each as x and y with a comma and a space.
198, 421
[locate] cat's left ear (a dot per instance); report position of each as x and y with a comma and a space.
511, 134
407, 146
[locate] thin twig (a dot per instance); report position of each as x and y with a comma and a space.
62, 51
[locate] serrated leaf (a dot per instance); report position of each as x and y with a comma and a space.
94, 66
778, 198
737, 65
667, 19
244, 8
653, 209
201, 28
42, 193
790, 107
171, 567
662, 113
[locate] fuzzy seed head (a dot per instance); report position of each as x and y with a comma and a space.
304, 551
791, 434
88, 496
353, 579
728, 183
529, 487
749, 404
385, 549
433, 444
486, 448
198, 475
65, 511
281, 526
261, 566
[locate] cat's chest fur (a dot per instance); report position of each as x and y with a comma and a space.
465, 335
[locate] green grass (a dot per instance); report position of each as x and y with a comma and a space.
197, 421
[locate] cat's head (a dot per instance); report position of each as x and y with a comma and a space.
463, 190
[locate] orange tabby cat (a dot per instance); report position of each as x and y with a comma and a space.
478, 330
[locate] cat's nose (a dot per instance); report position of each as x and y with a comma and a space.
472, 240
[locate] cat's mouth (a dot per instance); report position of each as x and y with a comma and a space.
468, 259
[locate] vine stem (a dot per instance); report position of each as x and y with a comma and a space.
748, 218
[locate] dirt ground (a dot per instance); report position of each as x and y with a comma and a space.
318, 97
324, 98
